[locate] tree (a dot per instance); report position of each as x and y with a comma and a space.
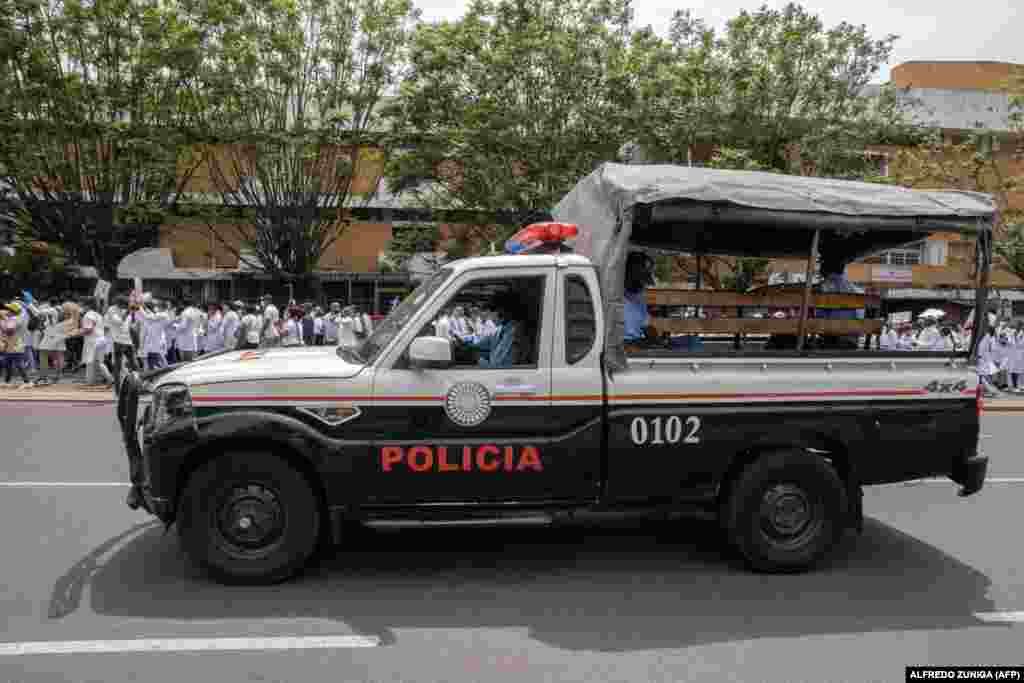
407, 240
716, 271
89, 127
35, 266
776, 84
297, 123
507, 107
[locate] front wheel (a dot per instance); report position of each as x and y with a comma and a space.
786, 512
249, 518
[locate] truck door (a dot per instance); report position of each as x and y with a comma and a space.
577, 395
469, 433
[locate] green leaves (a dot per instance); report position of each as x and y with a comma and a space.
774, 82
510, 105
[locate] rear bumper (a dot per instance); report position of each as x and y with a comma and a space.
970, 474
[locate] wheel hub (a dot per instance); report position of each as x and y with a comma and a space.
788, 514
251, 517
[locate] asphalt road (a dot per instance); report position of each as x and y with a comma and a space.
630, 603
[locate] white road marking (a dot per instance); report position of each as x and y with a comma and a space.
52, 484
1000, 617
68, 647
990, 480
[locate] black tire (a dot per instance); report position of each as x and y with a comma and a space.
786, 512
249, 518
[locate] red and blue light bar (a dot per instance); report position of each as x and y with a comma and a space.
540, 236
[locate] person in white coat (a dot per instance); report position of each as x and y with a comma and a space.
187, 331
156, 322
292, 332
458, 324
331, 323
347, 336
987, 368
930, 339
52, 346
442, 326
1003, 353
94, 343
367, 323
229, 325
119, 321
250, 328
1015, 361
214, 340
889, 340
271, 332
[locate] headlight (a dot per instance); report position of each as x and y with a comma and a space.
171, 402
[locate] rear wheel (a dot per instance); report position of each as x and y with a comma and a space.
249, 518
786, 512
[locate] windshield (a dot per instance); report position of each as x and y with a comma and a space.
397, 319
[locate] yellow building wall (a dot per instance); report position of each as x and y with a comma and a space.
197, 246
990, 76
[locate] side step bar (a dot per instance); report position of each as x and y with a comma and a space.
540, 520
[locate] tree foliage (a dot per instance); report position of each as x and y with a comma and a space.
507, 107
790, 93
300, 86
89, 133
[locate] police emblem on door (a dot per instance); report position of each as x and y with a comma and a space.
468, 404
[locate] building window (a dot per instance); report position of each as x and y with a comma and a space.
904, 257
897, 257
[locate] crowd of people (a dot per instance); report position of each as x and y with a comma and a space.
44, 341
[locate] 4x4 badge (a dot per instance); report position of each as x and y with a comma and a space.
468, 404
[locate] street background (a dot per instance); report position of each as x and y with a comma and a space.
636, 602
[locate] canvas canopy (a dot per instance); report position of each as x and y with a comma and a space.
745, 213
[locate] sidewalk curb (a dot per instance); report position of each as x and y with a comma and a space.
53, 396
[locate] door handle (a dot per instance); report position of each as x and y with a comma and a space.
507, 389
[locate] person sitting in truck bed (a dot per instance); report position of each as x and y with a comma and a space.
834, 281
638, 276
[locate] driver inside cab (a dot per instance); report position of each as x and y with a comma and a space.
506, 347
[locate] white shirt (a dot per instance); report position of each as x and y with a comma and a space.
367, 324
889, 340
459, 327
92, 323
488, 328
271, 316
347, 332
986, 353
187, 327
930, 339
252, 324
442, 328
215, 333
292, 333
228, 329
318, 326
330, 323
154, 331
54, 331
119, 324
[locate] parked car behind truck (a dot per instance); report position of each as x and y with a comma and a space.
260, 456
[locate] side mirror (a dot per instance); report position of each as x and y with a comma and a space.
430, 352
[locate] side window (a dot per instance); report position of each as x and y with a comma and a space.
580, 320
493, 322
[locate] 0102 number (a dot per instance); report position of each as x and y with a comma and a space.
658, 431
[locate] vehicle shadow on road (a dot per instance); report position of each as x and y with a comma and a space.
607, 589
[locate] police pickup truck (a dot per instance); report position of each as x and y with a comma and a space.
260, 456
